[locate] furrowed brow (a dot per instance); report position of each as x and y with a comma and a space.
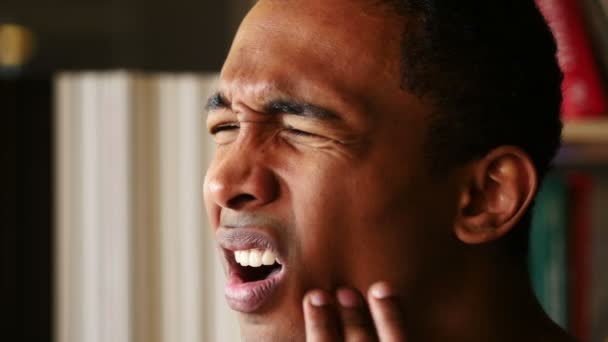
300, 109
218, 101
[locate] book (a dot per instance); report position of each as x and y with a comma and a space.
597, 26
604, 5
547, 259
583, 96
599, 259
581, 184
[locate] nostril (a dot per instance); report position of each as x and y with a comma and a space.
238, 202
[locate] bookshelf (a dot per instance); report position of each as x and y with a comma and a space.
578, 253
586, 132
585, 143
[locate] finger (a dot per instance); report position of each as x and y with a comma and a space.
320, 318
386, 313
357, 325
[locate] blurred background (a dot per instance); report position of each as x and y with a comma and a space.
83, 258
102, 34
104, 237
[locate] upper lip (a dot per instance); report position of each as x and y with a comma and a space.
238, 239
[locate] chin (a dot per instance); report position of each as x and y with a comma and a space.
269, 334
255, 328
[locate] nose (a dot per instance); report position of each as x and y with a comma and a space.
239, 179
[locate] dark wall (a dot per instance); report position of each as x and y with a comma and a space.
148, 34
8, 213
26, 203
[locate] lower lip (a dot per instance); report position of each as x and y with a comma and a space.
251, 296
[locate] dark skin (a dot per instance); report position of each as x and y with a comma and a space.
316, 135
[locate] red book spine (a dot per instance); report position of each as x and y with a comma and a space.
582, 91
580, 254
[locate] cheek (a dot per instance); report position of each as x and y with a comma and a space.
347, 225
318, 205
356, 227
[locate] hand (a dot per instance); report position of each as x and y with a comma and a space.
347, 317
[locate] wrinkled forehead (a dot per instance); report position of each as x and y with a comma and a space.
338, 40
355, 21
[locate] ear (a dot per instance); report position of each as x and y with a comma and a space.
497, 192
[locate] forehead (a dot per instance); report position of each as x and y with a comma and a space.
327, 22
345, 45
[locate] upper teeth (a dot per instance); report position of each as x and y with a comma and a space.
255, 258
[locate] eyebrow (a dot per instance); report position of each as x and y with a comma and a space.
280, 106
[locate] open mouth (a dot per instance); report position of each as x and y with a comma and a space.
255, 265
255, 268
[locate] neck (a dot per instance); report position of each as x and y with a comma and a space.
487, 299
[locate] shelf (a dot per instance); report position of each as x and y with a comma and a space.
586, 132
585, 143
586, 155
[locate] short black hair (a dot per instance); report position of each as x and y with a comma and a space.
490, 68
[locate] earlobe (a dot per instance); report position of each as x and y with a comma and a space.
499, 190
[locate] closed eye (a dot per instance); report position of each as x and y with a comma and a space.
298, 132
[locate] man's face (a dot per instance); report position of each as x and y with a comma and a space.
320, 160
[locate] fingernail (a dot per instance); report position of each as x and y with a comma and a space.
381, 291
318, 299
348, 298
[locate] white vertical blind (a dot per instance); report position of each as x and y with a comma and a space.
146, 307
114, 178
169, 221
189, 211
66, 210
135, 257
90, 225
